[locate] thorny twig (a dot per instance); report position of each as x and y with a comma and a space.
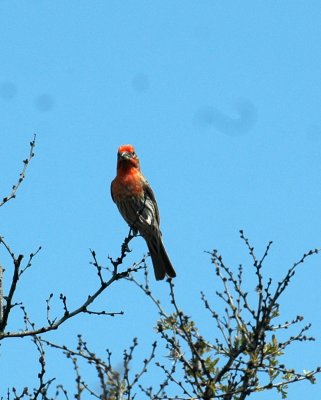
68, 314
113, 382
22, 175
54, 323
250, 350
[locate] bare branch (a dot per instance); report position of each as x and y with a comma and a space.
22, 175
83, 308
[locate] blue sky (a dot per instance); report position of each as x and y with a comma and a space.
222, 102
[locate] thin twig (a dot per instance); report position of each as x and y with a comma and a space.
22, 175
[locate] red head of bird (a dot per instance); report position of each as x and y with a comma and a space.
127, 157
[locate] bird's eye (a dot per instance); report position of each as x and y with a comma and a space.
133, 154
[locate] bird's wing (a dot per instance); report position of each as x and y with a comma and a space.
111, 191
150, 196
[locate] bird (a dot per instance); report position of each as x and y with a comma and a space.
136, 203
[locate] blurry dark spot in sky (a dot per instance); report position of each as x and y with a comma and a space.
8, 90
44, 102
140, 82
208, 116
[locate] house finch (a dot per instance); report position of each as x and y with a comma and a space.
136, 203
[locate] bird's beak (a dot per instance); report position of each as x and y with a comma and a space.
124, 156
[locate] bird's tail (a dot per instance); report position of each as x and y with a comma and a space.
161, 262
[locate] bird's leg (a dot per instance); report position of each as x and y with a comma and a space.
133, 231
125, 246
